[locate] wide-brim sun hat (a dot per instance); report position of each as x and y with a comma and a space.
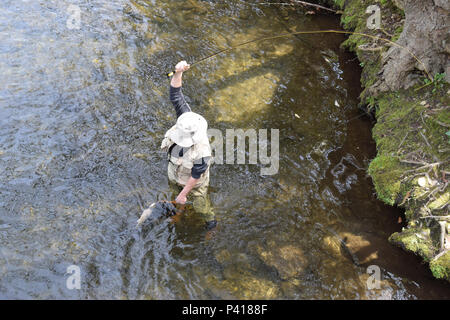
191, 128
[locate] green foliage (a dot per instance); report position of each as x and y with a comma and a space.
397, 33
438, 81
439, 272
371, 103
349, 21
339, 3
441, 267
354, 16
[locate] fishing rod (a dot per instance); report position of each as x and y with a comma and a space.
170, 74
293, 2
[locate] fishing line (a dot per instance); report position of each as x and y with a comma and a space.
357, 117
170, 74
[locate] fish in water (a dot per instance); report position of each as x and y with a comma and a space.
157, 211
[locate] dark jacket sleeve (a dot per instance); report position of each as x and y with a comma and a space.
178, 101
199, 168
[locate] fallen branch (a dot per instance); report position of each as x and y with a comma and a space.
425, 138
424, 165
442, 207
432, 193
442, 124
442, 236
436, 217
444, 186
430, 166
302, 3
412, 153
419, 170
428, 144
439, 255
427, 194
414, 162
313, 5
386, 33
403, 140
372, 49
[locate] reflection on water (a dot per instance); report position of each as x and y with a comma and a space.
82, 113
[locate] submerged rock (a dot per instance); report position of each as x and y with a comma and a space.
255, 94
242, 285
288, 260
240, 278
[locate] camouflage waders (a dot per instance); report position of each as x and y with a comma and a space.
198, 195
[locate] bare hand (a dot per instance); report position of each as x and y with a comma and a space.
181, 199
182, 66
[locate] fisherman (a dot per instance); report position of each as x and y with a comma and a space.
189, 153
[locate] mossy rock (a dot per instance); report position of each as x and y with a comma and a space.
441, 267
416, 240
289, 261
385, 172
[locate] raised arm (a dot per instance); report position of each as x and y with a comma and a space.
176, 95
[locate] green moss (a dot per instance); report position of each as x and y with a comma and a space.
397, 33
392, 137
406, 125
441, 267
349, 21
440, 201
385, 174
369, 75
354, 14
411, 125
415, 240
339, 3
409, 215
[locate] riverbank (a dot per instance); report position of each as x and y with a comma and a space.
409, 94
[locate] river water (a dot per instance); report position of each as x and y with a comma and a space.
83, 109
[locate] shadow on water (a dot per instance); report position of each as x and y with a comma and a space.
82, 116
